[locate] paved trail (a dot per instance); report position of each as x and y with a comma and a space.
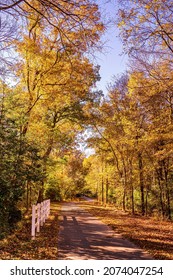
84, 237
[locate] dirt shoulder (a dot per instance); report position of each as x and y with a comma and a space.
150, 234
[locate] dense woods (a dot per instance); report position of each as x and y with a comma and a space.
133, 127
49, 101
47, 82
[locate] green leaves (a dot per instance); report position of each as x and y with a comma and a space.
19, 162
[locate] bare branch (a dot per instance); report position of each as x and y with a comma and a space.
7, 7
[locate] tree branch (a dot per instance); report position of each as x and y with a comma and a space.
6, 7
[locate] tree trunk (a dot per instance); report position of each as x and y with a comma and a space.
107, 189
102, 190
40, 194
124, 201
132, 189
168, 204
27, 196
161, 196
141, 183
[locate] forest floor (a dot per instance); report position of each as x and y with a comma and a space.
20, 246
150, 234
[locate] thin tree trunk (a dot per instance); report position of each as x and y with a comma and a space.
124, 200
97, 191
102, 190
27, 196
161, 197
107, 189
168, 204
146, 202
132, 189
30, 196
40, 194
141, 182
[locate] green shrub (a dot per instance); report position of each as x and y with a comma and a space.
53, 193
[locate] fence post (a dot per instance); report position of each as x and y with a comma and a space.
48, 207
38, 217
40, 213
44, 211
33, 221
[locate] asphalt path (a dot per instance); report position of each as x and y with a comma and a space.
84, 237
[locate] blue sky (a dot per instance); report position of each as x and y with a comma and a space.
112, 61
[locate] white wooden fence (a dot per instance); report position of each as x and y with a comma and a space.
40, 213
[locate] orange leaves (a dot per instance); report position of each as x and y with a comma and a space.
56, 76
153, 235
145, 26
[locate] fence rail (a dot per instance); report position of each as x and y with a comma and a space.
40, 213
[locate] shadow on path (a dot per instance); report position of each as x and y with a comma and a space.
83, 236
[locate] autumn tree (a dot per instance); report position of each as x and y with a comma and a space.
145, 29
46, 108
55, 76
157, 103
66, 17
133, 129
20, 163
146, 26
109, 126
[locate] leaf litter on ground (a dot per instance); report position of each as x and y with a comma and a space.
20, 245
149, 233
152, 234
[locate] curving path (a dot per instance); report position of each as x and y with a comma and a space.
84, 237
